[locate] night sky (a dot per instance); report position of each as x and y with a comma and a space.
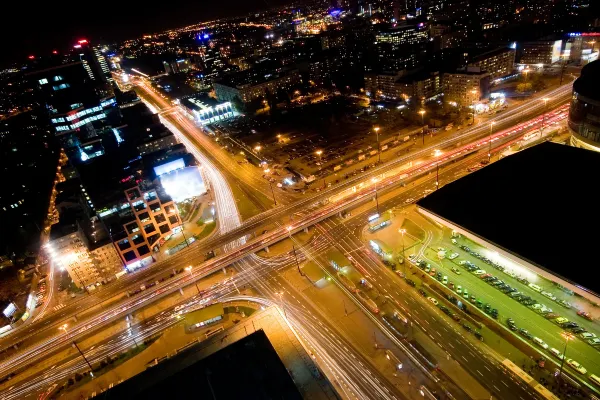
32, 28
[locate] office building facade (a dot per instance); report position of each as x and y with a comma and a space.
541, 52
466, 87
498, 63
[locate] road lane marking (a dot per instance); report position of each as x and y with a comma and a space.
505, 384
486, 367
465, 358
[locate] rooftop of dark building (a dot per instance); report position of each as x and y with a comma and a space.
246, 369
531, 204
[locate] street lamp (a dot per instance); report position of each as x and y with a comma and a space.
422, 112
567, 336
189, 269
63, 328
374, 180
474, 93
436, 154
280, 295
289, 229
526, 71
267, 171
402, 232
319, 153
490, 140
376, 129
545, 99
257, 149
175, 209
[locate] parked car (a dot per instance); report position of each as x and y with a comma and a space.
564, 304
556, 353
540, 342
511, 324
585, 315
576, 366
525, 333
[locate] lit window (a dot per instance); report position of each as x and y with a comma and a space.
58, 78
43, 81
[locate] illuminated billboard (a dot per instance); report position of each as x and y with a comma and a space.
182, 184
169, 167
556, 51
10, 310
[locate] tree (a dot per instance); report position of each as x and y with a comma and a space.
524, 87
238, 104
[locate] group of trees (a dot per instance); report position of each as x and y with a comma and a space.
533, 83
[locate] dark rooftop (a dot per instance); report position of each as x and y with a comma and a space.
588, 83
247, 369
535, 204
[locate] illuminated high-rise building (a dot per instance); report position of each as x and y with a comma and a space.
92, 59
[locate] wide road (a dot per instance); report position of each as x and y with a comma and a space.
195, 254
352, 372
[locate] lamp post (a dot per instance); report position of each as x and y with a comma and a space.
257, 149
402, 232
490, 140
437, 153
64, 329
267, 171
545, 99
376, 129
474, 93
374, 180
526, 71
319, 153
176, 210
189, 269
280, 295
567, 336
289, 229
422, 112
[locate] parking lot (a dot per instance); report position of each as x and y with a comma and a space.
539, 319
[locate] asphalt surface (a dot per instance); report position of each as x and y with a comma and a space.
464, 349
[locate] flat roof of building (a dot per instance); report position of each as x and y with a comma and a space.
535, 204
246, 369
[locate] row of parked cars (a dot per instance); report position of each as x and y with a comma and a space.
541, 309
513, 275
451, 314
539, 342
